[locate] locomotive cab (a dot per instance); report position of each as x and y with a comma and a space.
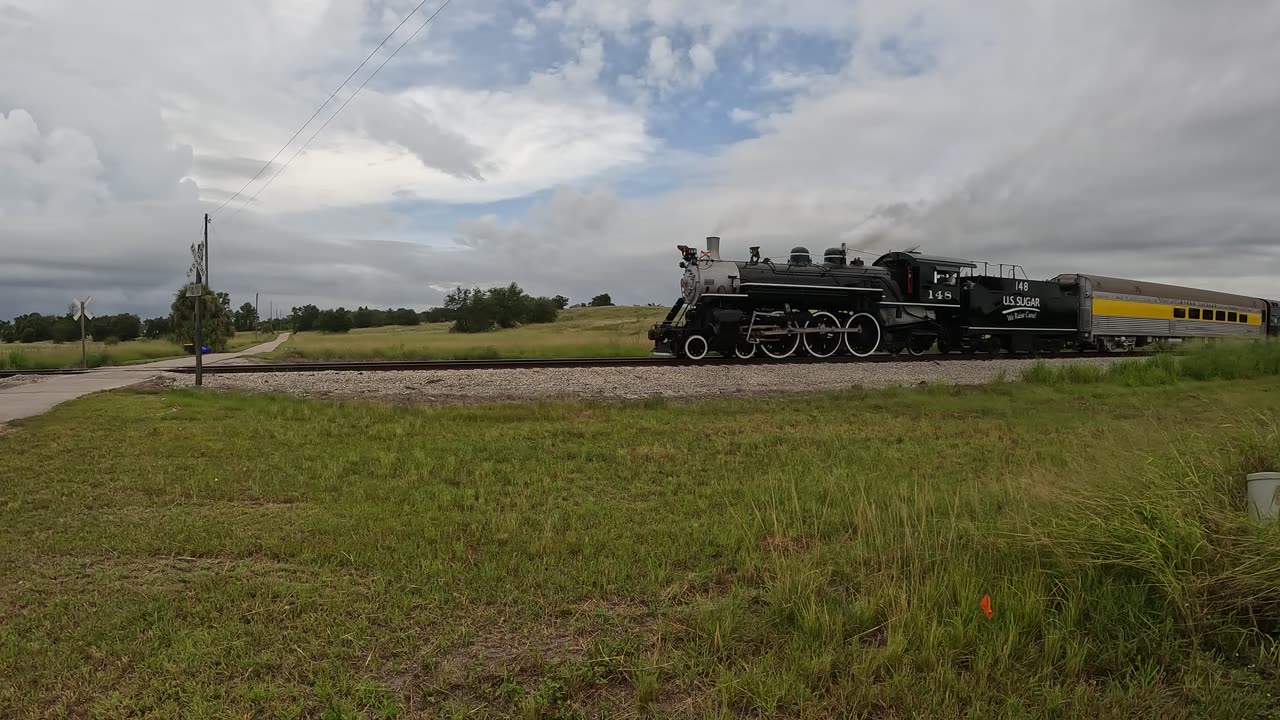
924, 279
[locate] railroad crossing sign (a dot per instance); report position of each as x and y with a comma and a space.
198, 258
80, 308
80, 311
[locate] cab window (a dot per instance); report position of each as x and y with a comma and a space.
1180, 313
1195, 313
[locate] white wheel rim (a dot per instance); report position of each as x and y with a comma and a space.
813, 323
848, 338
691, 343
764, 346
737, 351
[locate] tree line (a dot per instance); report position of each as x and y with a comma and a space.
470, 310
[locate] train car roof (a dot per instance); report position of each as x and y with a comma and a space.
1121, 286
935, 259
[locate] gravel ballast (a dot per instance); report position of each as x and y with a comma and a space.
446, 387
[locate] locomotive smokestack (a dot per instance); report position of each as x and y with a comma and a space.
713, 247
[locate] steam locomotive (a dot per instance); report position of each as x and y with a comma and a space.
914, 302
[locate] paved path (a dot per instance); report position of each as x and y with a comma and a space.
39, 396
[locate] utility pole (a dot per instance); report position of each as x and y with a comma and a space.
257, 319
199, 344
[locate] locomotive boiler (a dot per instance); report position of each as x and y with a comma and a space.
778, 307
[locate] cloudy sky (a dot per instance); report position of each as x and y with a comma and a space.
569, 145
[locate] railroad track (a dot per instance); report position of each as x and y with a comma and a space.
401, 365
524, 364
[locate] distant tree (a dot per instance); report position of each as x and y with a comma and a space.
125, 326
246, 318
542, 310
334, 321
6, 331
471, 310
437, 315
509, 305
601, 300
302, 319
216, 321
561, 302
477, 310
155, 328
402, 316
362, 317
129, 327
65, 329
40, 327
225, 300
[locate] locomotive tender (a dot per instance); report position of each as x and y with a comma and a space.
908, 301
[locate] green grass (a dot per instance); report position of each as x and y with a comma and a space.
580, 332
1218, 361
203, 554
49, 355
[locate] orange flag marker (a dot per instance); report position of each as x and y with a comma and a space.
986, 605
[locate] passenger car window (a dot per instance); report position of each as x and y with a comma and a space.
1231, 317
1180, 313
1195, 313
1222, 315
1244, 317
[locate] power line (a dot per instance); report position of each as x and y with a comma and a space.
322, 106
372, 75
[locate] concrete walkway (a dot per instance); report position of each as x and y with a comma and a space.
28, 399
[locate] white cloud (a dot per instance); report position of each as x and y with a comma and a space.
524, 30
784, 81
740, 115
662, 61
54, 173
703, 59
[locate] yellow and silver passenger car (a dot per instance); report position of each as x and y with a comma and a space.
1117, 314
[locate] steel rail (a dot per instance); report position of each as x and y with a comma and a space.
553, 363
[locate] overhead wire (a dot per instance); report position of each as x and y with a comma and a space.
353, 95
323, 104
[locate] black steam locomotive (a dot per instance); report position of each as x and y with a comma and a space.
912, 302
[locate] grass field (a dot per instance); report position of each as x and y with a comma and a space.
34, 356
580, 332
217, 555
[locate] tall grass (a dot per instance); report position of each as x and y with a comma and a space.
49, 356
799, 558
1221, 361
1178, 538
